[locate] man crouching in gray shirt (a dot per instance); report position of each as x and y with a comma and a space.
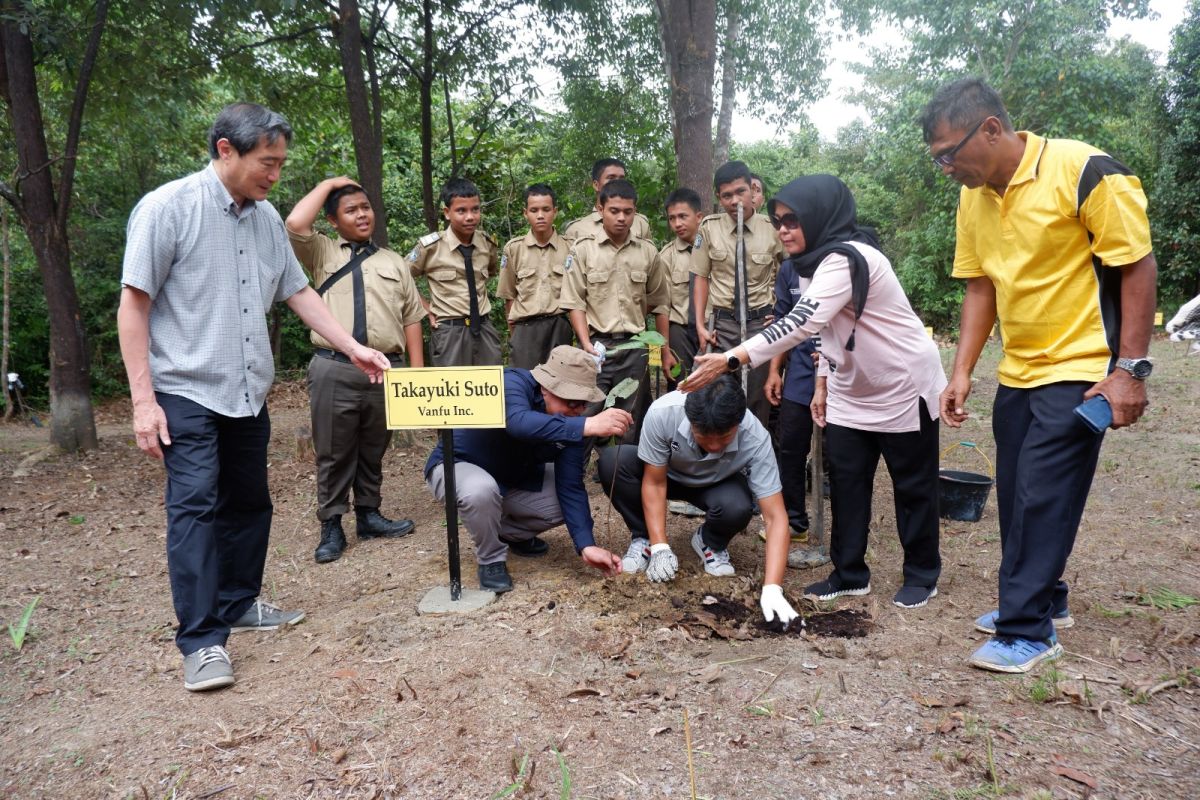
704, 448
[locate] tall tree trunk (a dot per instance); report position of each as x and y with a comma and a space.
689, 44
733, 25
426, 98
368, 147
4, 342
73, 425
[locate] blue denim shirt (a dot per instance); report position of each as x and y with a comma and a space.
799, 379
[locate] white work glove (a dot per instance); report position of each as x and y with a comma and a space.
774, 605
663, 563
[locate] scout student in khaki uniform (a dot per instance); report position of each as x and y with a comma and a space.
369, 291
458, 262
603, 171
613, 280
714, 261
683, 215
531, 277
758, 192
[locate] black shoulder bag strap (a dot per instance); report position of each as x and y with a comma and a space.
366, 252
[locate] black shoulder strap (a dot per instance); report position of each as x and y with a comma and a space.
369, 250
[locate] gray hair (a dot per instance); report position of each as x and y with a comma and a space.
244, 125
962, 104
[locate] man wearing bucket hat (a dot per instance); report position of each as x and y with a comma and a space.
518, 481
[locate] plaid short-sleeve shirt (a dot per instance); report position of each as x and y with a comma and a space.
212, 271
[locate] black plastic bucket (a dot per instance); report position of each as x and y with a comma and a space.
963, 495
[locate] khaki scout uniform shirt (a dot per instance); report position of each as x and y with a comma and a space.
391, 295
676, 260
436, 255
593, 225
715, 252
616, 286
531, 275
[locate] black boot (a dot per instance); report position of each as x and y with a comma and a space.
373, 525
495, 577
333, 541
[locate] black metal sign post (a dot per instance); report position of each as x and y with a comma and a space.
451, 513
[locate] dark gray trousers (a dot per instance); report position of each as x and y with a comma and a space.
729, 337
530, 341
454, 346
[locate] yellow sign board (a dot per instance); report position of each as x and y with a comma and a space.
445, 397
1158, 319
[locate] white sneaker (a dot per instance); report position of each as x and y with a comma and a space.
637, 557
716, 562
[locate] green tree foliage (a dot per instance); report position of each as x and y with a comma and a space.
1175, 201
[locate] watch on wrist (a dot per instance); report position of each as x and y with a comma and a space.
1139, 368
734, 363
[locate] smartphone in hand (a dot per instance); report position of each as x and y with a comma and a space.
1095, 413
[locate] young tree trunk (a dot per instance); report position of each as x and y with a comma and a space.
426, 93
689, 44
733, 25
368, 147
72, 425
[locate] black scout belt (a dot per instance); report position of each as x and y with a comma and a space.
755, 313
456, 322
539, 317
337, 355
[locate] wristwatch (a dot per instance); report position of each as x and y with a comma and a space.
734, 363
1139, 368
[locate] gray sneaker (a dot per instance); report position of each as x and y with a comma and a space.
262, 616
207, 668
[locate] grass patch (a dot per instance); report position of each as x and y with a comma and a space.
1045, 688
18, 632
1164, 598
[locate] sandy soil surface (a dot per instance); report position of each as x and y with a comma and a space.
577, 686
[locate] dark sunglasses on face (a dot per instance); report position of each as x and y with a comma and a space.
789, 221
946, 159
576, 405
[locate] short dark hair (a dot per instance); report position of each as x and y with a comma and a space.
541, 189
244, 125
754, 176
335, 197
458, 187
729, 172
683, 195
618, 188
603, 164
717, 407
961, 104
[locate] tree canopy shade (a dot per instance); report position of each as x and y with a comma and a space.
427, 89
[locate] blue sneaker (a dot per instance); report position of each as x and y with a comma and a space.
1015, 655
987, 623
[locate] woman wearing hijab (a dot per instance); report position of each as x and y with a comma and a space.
877, 386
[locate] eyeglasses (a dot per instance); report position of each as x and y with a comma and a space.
575, 405
789, 221
946, 159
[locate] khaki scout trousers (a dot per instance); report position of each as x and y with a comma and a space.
517, 516
454, 346
350, 435
729, 337
530, 341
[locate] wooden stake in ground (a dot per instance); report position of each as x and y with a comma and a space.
687, 739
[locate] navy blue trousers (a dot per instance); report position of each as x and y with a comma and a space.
218, 517
728, 505
912, 462
1045, 460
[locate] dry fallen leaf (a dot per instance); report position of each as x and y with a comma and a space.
633, 674
938, 702
950, 722
345, 673
709, 674
583, 690
657, 731
338, 755
1076, 775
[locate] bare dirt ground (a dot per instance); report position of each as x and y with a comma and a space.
576, 686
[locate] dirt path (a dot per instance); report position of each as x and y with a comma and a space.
585, 678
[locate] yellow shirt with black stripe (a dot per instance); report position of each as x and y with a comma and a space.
1053, 246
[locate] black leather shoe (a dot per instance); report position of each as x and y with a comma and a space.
495, 578
333, 541
373, 525
530, 548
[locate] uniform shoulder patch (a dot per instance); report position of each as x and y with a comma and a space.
698, 242
570, 261
415, 253
504, 261
430, 238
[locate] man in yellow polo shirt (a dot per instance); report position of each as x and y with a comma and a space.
1052, 238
